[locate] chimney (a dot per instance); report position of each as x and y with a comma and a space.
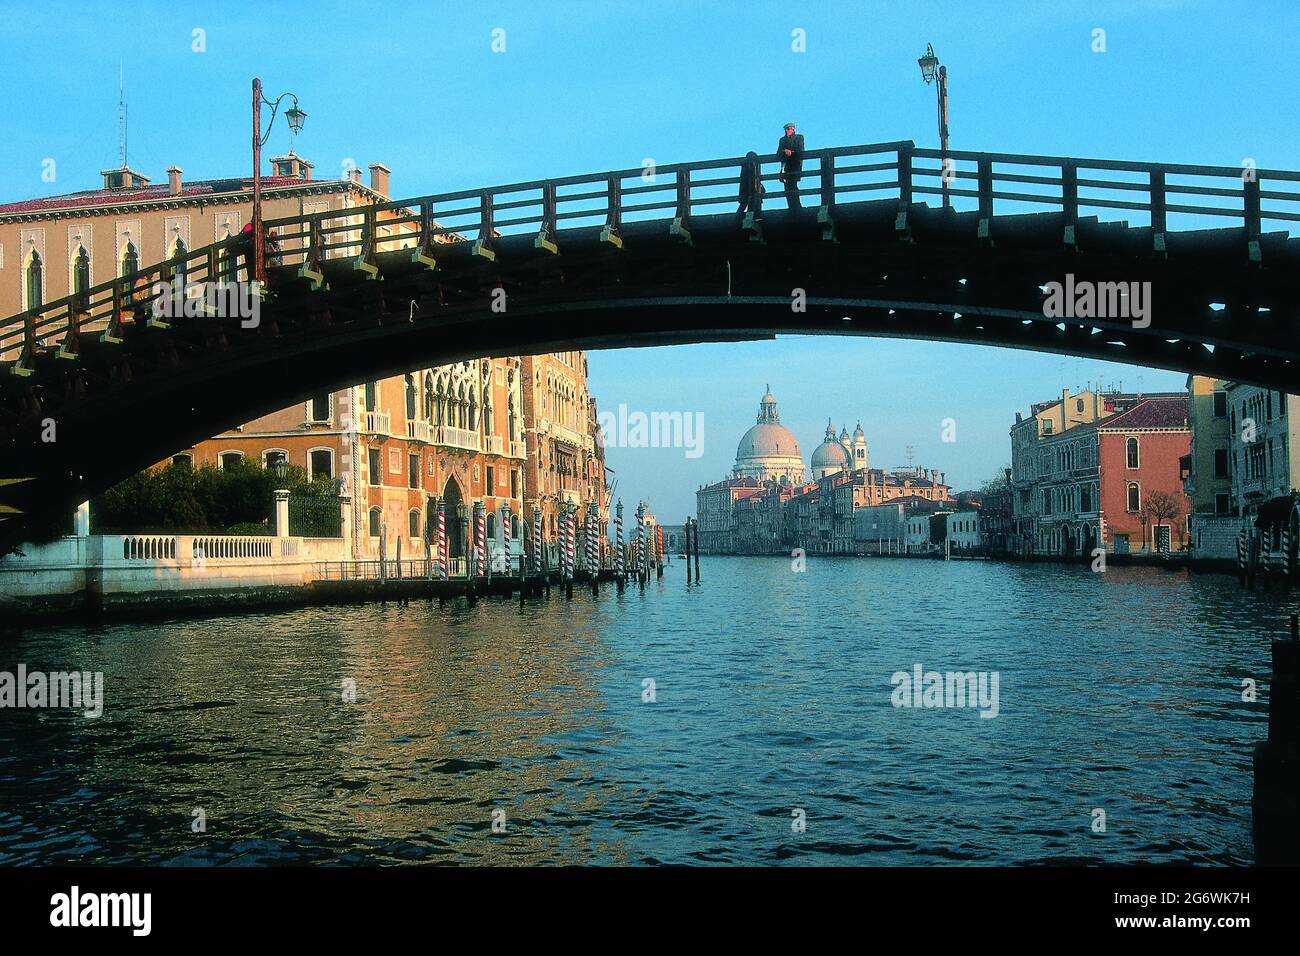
174, 180
354, 175
379, 174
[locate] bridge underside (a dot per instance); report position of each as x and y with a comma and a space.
124, 406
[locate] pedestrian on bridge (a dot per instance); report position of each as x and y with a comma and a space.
789, 153
751, 186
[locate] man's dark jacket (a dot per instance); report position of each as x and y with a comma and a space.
794, 162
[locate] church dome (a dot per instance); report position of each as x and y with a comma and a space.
768, 440
830, 456
769, 450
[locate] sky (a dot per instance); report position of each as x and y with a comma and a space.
582, 87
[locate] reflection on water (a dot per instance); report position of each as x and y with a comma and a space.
1118, 691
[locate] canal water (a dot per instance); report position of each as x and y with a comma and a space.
768, 736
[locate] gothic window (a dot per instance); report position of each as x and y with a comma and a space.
1131, 452
130, 259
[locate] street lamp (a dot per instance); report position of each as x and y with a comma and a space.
295, 118
930, 68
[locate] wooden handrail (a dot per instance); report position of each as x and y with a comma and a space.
675, 190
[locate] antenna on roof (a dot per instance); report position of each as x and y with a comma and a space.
121, 115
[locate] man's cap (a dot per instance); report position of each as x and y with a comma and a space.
789, 125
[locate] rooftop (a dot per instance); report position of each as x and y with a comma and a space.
197, 189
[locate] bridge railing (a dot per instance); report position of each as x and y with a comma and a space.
1157, 195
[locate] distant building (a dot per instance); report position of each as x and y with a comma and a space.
766, 506
963, 530
1214, 525
1100, 470
882, 528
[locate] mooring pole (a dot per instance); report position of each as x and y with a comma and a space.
640, 544
1276, 818
619, 557
696, 536
687, 551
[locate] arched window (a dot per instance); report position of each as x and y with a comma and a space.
413, 523
473, 412
274, 456
130, 259
514, 526
491, 524
375, 517
439, 405
183, 460
410, 398
1131, 452
81, 277
229, 459
428, 397
1134, 497
34, 293
371, 396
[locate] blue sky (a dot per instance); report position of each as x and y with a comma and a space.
589, 86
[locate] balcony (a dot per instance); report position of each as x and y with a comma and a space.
518, 449
461, 438
419, 431
495, 445
568, 435
376, 423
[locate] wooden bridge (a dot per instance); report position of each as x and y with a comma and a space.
174, 353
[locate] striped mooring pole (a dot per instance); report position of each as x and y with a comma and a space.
640, 542
593, 550
618, 545
537, 539
442, 538
480, 539
505, 536
573, 541
1285, 556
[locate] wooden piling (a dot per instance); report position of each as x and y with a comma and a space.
1276, 799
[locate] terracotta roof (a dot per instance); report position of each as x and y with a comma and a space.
190, 190
1152, 413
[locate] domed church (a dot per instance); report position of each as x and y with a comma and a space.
839, 454
769, 451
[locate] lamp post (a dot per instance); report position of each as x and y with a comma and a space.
930, 69
295, 117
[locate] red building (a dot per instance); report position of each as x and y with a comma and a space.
1143, 505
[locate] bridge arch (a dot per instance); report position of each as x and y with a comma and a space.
587, 267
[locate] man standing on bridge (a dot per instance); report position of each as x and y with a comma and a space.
789, 153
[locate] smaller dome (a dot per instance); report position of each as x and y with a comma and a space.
830, 454
858, 432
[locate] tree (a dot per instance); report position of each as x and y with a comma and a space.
239, 496
999, 484
1161, 506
